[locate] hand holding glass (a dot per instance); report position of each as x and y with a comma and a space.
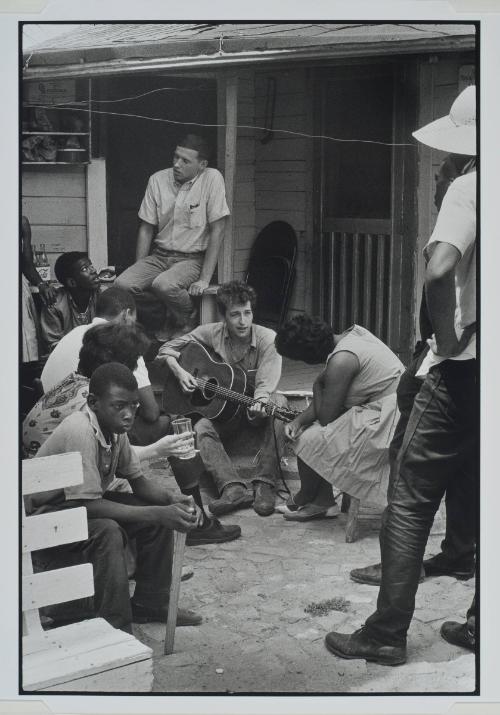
180, 426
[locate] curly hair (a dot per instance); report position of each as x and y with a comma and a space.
235, 293
305, 338
65, 266
111, 342
112, 373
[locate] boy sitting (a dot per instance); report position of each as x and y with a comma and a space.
75, 302
99, 433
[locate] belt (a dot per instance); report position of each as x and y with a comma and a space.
178, 254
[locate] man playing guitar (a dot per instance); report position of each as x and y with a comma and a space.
239, 343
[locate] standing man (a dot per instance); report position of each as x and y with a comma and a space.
237, 341
183, 216
441, 439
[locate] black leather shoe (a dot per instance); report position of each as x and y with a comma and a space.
359, 645
213, 532
372, 575
439, 566
234, 496
458, 634
148, 614
263, 503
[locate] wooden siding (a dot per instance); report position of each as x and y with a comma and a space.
439, 86
283, 172
54, 198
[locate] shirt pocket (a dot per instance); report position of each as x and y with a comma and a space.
196, 215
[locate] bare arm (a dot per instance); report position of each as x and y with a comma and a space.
333, 385
441, 298
217, 229
145, 237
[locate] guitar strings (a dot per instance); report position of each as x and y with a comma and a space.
225, 392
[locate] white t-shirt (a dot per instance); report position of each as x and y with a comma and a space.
456, 225
64, 359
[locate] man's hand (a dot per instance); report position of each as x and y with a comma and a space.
178, 517
258, 410
175, 445
198, 287
293, 429
47, 293
186, 380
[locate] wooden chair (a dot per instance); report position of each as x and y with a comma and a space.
90, 656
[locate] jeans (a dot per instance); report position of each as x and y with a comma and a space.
458, 546
210, 438
167, 276
105, 550
439, 448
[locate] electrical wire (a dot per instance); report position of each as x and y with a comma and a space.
238, 126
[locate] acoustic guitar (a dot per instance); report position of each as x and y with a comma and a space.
223, 390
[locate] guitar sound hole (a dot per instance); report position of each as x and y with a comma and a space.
208, 390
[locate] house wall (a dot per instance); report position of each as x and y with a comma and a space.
283, 172
54, 198
439, 86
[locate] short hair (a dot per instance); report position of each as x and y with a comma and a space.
65, 265
113, 301
112, 373
196, 143
111, 342
305, 338
235, 293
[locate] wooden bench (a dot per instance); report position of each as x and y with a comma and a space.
90, 656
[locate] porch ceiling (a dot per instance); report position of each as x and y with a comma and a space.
97, 49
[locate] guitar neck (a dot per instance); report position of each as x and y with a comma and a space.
281, 413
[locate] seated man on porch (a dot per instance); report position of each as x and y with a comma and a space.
99, 433
75, 300
238, 342
183, 214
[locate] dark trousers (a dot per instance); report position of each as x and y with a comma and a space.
105, 550
458, 546
439, 448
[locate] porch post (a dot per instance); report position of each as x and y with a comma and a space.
228, 115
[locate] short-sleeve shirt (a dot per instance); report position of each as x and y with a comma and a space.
58, 319
379, 368
63, 360
456, 225
183, 212
101, 460
261, 355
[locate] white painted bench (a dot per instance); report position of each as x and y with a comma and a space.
90, 656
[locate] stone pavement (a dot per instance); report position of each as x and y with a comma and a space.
256, 637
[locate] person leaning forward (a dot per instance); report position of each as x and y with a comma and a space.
183, 215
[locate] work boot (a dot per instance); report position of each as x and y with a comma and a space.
359, 645
458, 634
372, 575
439, 565
263, 503
213, 532
158, 614
234, 496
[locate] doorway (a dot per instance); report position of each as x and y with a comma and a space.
135, 147
366, 201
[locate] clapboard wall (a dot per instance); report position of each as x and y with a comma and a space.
54, 198
439, 87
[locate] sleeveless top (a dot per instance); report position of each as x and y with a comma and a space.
380, 369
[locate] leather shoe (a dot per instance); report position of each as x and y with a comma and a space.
372, 575
158, 614
439, 566
359, 645
458, 634
213, 532
263, 503
234, 496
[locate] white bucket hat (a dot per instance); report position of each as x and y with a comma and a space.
455, 133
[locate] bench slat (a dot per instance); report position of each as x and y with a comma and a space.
44, 531
57, 586
41, 474
76, 651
